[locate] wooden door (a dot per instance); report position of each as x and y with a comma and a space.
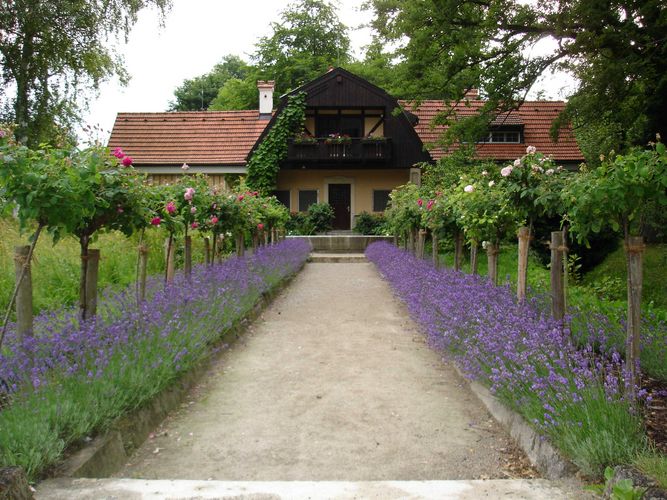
340, 200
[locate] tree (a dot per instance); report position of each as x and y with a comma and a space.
198, 93
308, 40
617, 51
236, 94
52, 50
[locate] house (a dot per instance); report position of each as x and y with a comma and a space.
355, 149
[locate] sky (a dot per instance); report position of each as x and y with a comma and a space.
195, 36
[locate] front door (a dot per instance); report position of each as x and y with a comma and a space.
340, 199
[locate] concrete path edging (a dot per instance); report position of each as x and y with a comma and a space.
543, 455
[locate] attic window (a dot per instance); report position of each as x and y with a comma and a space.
505, 135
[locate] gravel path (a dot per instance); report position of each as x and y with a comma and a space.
333, 382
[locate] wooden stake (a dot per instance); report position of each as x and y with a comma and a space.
524, 241
92, 269
143, 271
634, 250
187, 265
207, 250
240, 244
492, 251
421, 243
458, 250
411, 241
171, 259
435, 249
473, 256
24, 294
557, 290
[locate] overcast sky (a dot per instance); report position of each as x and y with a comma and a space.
196, 35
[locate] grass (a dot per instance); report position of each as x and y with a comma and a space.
55, 268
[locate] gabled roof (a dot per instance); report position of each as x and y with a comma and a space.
192, 137
535, 116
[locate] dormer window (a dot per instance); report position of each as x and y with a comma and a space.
505, 135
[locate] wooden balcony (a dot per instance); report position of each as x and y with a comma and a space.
349, 150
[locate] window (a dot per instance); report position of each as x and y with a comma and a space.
380, 199
507, 136
283, 197
307, 198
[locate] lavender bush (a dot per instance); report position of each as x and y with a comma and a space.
573, 393
74, 378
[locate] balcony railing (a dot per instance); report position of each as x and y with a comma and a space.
354, 149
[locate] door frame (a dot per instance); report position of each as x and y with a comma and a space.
341, 180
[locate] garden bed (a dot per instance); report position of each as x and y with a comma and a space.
73, 380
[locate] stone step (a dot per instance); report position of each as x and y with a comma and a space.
139, 489
337, 257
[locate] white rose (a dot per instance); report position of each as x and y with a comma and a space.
531, 150
469, 188
517, 162
492, 183
506, 171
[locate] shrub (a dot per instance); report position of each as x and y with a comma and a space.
366, 223
321, 216
298, 223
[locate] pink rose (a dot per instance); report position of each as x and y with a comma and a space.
119, 209
127, 161
531, 150
260, 226
214, 220
171, 207
189, 193
430, 204
420, 202
118, 153
241, 197
506, 171
155, 221
193, 210
194, 225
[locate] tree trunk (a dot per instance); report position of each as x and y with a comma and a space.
435, 249
524, 241
143, 271
187, 265
634, 249
473, 256
458, 250
557, 291
24, 292
492, 251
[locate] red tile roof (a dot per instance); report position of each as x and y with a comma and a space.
226, 137
192, 137
535, 116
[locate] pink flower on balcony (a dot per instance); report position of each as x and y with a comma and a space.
171, 207
118, 153
260, 226
155, 221
189, 193
127, 161
214, 220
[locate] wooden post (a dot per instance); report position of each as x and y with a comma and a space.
634, 249
394, 240
143, 271
421, 243
411, 241
524, 241
266, 237
273, 235
207, 250
473, 256
240, 244
458, 250
171, 259
492, 251
92, 265
557, 291
24, 292
435, 249
187, 266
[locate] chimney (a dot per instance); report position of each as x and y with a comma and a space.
265, 98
